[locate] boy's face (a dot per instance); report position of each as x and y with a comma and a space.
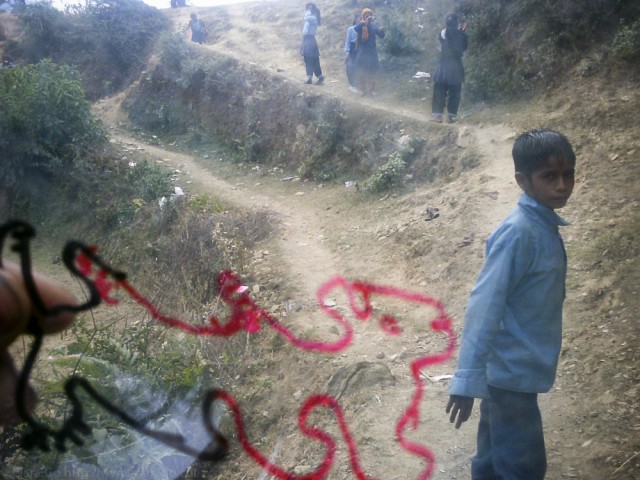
551, 185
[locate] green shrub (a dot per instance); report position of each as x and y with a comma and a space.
397, 42
48, 31
387, 176
108, 41
626, 43
174, 50
125, 194
520, 46
318, 162
45, 120
148, 181
206, 203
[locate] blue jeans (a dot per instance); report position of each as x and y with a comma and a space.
510, 438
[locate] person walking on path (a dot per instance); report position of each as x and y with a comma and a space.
512, 331
198, 31
449, 73
367, 63
309, 49
350, 50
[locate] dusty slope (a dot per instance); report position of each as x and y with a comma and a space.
328, 231
587, 433
268, 35
388, 240
331, 230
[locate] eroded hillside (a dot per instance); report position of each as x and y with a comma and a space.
245, 85
586, 412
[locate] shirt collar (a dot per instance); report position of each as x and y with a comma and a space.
548, 215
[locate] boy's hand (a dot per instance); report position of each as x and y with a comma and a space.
460, 407
15, 311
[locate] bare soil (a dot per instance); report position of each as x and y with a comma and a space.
324, 230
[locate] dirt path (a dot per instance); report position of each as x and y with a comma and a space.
299, 248
326, 230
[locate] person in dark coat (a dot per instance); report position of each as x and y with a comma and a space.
367, 63
449, 73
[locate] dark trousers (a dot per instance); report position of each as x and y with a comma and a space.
510, 438
312, 65
446, 95
350, 65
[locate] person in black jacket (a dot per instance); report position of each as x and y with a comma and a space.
449, 73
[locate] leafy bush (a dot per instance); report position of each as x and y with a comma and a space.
45, 120
48, 32
106, 40
626, 43
148, 181
397, 42
122, 31
174, 50
122, 194
519, 43
387, 176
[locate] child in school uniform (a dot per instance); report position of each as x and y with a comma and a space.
198, 31
350, 50
449, 74
512, 330
309, 48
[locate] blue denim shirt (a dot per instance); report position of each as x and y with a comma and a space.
513, 324
310, 23
352, 36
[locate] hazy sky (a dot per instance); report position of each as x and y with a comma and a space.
194, 3
159, 3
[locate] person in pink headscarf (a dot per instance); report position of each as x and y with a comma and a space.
367, 63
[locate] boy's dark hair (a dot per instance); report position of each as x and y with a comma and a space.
451, 20
314, 9
533, 149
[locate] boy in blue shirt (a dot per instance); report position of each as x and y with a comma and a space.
513, 324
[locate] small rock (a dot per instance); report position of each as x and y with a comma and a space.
300, 469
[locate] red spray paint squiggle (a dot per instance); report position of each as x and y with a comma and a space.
247, 315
